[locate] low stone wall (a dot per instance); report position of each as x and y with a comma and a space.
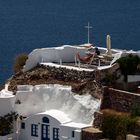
91, 134
138, 89
98, 119
69, 74
119, 100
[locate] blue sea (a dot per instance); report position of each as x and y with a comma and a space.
29, 24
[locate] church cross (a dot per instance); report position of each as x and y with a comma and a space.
88, 28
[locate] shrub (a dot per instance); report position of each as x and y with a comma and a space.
135, 110
19, 62
6, 123
117, 125
110, 79
128, 65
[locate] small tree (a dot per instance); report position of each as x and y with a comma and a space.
135, 110
118, 124
19, 62
128, 65
6, 123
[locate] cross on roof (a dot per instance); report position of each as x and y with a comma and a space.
88, 27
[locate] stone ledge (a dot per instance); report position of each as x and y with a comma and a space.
91, 133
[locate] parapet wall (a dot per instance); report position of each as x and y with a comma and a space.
119, 100
64, 53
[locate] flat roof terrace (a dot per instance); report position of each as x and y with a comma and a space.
97, 64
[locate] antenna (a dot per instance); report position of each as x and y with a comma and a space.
88, 28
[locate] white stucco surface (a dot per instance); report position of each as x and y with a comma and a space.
58, 115
57, 119
69, 128
79, 108
64, 66
65, 53
104, 67
6, 94
133, 78
25, 134
76, 128
7, 100
76, 125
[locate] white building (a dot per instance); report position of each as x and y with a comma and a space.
64, 118
50, 125
53, 112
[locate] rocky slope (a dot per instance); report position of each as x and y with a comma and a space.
82, 82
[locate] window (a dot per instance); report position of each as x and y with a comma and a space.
73, 134
22, 125
45, 120
45, 132
34, 130
55, 133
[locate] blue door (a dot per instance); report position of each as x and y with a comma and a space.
45, 132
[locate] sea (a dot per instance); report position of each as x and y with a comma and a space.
29, 24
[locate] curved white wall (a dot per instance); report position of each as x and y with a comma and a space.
65, 53
7, 101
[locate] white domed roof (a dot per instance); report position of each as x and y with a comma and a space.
58, 115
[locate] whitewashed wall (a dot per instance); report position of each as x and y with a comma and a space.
25, 134
6, 102
45, 97
65, 53
68, 128
66, 132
